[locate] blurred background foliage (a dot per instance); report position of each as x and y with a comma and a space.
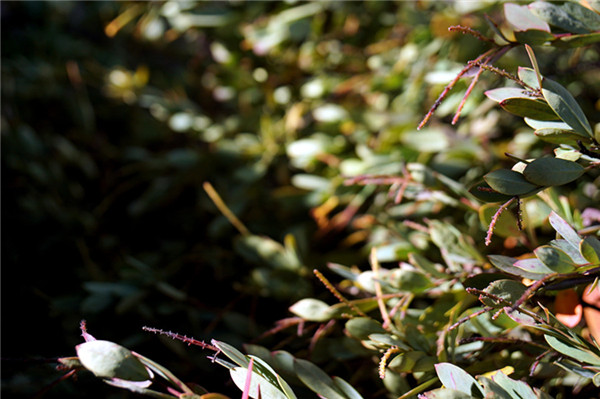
114, 114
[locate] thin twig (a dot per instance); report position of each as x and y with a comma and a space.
466, 96
450, 85
220, 204
378, 291
473, 32
337, 294
488, 237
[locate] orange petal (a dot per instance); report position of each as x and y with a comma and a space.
591, 296
591, 315
567, 308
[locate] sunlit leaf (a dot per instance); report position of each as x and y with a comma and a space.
564, 229
504, 93
521, 18
587, 17
232, 353
533, 265
312, 310
534, 109
569, 349
506, 264
109, 360
590, 249
555, 259
557, 16
561, 136
520, 318
454, 377
517, 389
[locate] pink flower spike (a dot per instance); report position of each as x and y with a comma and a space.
87, 337
248, 380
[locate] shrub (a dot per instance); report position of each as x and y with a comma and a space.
465, 261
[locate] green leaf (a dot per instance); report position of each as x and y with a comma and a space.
558, 17
483, 192
521, 18
524, 107
362, 327
555, 259
506, 225
577, 40
346, 388
311, 309
409, 280
587, 17
387, 340
405, 362
285, 388
565, 106
453, 377
506, 264
533, 265
535, 124
590, 249
552, 171
533, 36
448, 237
264, 250
317, 380
572, 351
534, 64
517, 389
238, 357
107, 359
509, 291
529, 77
338, 310
571, 250
425, 265
561, 136
509, 182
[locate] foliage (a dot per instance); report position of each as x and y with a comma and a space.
193, 153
